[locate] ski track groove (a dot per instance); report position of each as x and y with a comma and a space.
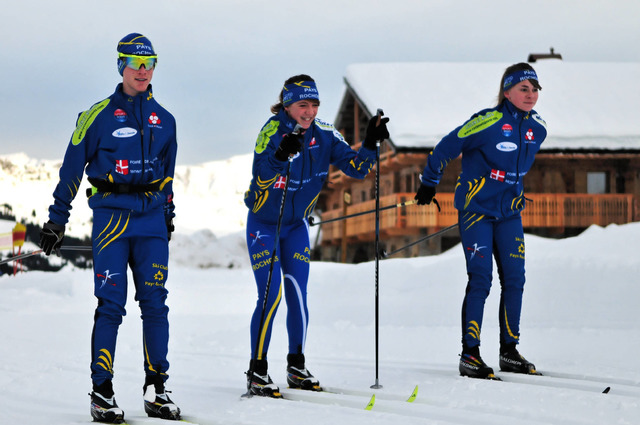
396, 404
186, 420
558, 380
616, 381
575, 382
426, 409
432, 410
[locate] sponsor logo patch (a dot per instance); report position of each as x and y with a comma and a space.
529, 135
257, 239
506, 146
475, 250
507, 130
124, 132
154, 119
120, 115
106, 278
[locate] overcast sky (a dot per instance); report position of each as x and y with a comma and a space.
222, 63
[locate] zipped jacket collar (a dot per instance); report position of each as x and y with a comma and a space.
125, 98
286, 120
515, 112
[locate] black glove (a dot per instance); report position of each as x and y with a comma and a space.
290, 144
170, 228
51, 237
375, 133
425, 194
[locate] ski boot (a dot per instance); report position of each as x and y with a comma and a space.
298, 376
259, 382
103, 404
512, 361
157, 403
472, 365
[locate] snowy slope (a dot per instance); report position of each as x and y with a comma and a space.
207, 196
579, 326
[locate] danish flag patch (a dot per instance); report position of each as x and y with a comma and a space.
497, 175
122, 166
280, 183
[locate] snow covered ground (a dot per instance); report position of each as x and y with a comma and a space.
580, 326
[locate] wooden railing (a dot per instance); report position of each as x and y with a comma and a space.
577, 210
547, 210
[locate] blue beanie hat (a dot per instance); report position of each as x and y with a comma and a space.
134, 44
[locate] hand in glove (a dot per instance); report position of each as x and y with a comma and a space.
51, 237
170, 228
425, 194
375, 132
290, 144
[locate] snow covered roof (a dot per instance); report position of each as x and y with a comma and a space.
587, 106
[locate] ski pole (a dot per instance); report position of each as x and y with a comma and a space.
377, 210
297, 130
344, 217
39, 251
386, 254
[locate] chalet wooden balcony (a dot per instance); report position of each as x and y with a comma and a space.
546, 211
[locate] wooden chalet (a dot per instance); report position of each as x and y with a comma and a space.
587, 171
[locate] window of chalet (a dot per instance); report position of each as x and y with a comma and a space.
597, 182
386, 188
396, 182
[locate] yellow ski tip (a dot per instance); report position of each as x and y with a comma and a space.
413, 395
371, 403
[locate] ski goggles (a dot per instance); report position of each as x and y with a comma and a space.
135, 62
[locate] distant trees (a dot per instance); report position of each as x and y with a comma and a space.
6, 211
80, 259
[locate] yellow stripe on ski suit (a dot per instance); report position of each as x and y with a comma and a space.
311, 206
113, 231
467, 220
146, 355
506, 324
473, 190
109, 362
267, 320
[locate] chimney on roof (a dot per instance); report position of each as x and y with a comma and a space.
552, 55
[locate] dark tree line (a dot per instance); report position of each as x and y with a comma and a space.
80, 259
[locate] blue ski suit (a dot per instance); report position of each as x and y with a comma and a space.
127, 146
322, 145
498, 147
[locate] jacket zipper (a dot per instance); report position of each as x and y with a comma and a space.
142, 142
